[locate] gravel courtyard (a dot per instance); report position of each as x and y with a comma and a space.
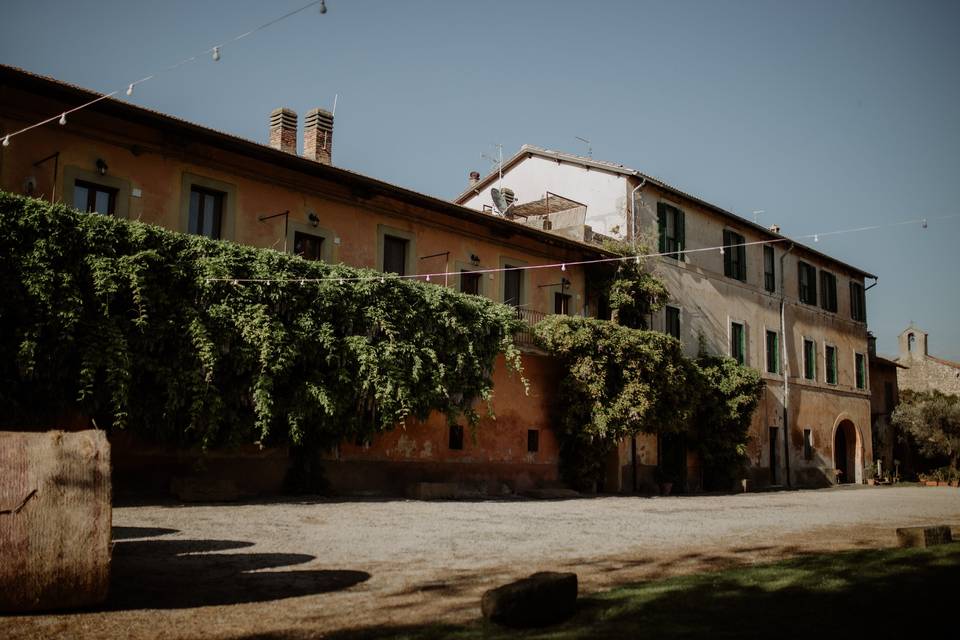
299, 568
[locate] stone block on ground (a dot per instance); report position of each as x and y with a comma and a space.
55, 519
924, 536
544, 598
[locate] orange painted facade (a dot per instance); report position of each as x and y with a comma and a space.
151, 163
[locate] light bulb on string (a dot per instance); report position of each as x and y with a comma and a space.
323, 7
130, 89
63, 119
923, 223
721, 250
6, 140
636, 260
383, 280
428, 277
216, 54
816, 237
563, 267
341, 281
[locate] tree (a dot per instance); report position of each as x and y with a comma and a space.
932, 421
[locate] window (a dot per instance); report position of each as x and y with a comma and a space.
734, 255
861, 372
671, 227
808, 283
773, 352
809, 360
561, 304
470, 282
672, 324
831, 362
807, 444
512, 286
858, 302
206, 212
395, 254
769, 270
307, 245
828, 291
533, 440
737, 342
94, 198
456, 437
911, 341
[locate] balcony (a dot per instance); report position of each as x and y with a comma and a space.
525, 337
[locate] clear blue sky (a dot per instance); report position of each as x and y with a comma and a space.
826, 115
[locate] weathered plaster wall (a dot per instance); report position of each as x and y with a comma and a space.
603, 192
709, 302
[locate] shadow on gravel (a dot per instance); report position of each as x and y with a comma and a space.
180, 573
884, 593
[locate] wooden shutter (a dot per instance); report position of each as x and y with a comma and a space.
727, 257
681, 234
662, 225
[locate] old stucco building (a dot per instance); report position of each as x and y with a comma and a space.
921, 371
119, 159
812, 427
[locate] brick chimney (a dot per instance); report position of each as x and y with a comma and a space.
318, 136
474, 177
283, 129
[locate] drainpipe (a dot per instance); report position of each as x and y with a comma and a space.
786, 366
633, 211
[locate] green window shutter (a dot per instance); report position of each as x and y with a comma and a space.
681, 235
727, 256
741, 259
662, 225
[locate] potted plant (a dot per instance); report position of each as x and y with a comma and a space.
870, 473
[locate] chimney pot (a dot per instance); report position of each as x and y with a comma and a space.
283, 130
474, 177
318, 136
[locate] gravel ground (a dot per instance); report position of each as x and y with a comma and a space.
295, 569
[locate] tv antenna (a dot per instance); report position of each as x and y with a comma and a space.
498, 162
589, 147
757, 214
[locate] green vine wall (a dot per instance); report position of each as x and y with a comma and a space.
117, 320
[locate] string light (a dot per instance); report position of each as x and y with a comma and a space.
215, 51
323, 7
923, 223
816, 237
563, 267
63, 119
635, 258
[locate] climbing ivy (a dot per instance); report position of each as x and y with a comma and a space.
121, 321
620, 382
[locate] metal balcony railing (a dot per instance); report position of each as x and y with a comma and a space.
530, 317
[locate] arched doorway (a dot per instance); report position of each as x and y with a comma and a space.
845, 451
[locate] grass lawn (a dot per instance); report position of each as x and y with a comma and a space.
886, 593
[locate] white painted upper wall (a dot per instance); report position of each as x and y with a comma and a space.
604, 193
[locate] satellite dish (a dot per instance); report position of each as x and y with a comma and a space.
502, 200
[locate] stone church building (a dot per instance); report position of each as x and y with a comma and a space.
921, 371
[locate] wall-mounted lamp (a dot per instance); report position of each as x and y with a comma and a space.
101, 167
474, 258
313, 218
